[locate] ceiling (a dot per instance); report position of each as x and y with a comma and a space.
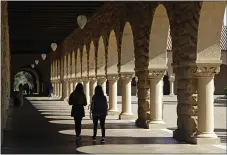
33, 26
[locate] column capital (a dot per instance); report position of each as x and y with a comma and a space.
78, 79
126, 75
112, 77
92, 78
172, 77
101, 77
205, 70
85, 79
156, 73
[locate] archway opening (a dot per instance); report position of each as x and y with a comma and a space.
166, 85
27, 80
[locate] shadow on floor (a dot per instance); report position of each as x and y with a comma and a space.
221, 133
32, 133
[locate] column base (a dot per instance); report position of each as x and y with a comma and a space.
126, 116
207, 138
183, 136
141, 123
66, 99
171, 95
113, 112
156, 125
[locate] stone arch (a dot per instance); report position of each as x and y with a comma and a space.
36, 76
78, 63
158, 39
127, 50
101, 57
112, 58
92, 59
209, 31
84, 62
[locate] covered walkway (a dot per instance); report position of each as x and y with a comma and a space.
45, 126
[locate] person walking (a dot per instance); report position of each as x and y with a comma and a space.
78, 100
98, 112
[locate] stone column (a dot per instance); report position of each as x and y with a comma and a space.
58, 94
205, 75
86, 88
136, 79
57, 89
156, 99
93, 84
112, 80
60, 89
74, 84
65, 89
102, 82
126, 113
143, 98
171, 80
187, 104
71, 86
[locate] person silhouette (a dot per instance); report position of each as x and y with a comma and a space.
98, 111
78, 100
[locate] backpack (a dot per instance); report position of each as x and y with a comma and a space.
100, 104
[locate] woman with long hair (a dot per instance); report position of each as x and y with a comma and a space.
98, 110
78, 100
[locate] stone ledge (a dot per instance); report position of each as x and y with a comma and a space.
113, 113
156, 125
127, 117
200, 141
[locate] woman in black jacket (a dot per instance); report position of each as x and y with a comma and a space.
78, 100
98, 110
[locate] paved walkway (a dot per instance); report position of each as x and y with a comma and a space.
45, 126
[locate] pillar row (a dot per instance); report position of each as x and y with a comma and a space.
126, 113
112, 80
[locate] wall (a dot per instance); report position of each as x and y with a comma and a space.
19, 61
5, 66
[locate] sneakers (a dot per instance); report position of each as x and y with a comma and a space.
78, 138
94, 139
103, 140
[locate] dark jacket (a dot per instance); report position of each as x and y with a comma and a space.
99, 106
78, 101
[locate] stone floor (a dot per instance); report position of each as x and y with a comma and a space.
45, 126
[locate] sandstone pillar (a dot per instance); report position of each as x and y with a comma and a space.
126, 113
86, 89
186, 106
171, 80
112, 80
205, 75
71, 86
156, 99
102, 82
143, 98
60, 90
93, 84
